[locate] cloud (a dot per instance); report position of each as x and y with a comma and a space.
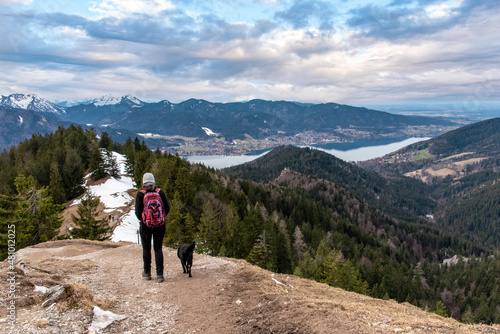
406, 50
15, 2
123, 8
304, 13
404, 19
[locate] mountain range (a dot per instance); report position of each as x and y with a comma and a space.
167, 125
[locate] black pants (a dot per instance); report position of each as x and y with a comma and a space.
155, 233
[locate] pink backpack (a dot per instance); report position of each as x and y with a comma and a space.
153, 213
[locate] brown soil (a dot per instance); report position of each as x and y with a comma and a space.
223, 296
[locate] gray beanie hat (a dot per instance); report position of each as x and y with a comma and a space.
148, 178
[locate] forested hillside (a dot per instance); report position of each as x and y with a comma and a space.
401, 197
464, 224
295, 223
20, 124
462, 169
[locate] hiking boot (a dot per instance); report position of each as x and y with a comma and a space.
146, 276
160, 278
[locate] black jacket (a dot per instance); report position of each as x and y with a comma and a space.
139, 203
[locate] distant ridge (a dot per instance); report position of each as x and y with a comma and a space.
257, 118
226, 123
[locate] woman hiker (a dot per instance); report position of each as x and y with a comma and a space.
151, 208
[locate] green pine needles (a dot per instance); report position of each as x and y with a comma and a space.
88, 226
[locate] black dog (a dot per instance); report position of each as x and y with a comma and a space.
185, 253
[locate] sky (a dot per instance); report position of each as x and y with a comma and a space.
352, 52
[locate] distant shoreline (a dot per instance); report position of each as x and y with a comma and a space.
370, 150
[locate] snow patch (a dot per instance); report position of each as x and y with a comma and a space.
103, 319
209, 132
41, 289
454, 260
127, 229
21, 120
277, 282
152, 135
113, 193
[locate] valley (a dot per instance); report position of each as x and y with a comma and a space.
218, 145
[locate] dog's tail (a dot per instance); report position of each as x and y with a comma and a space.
191, 247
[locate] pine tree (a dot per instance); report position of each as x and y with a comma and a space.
230, 231
142, 163
173, 223
37, 218
7, 207
441, 309
260, 254
188, 229
129, 151
210, 239
282, 251
468, 315
343, 274
73, 173
56, 187
299, 246
105, 141
306, 267
97, 164
322, 253
111, 164
87, 224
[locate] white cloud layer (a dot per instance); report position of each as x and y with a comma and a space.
367, 53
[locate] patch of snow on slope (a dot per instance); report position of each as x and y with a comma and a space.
103, 319
129, 224
21, 120
113, 194
127, 229
120, 159
209, 132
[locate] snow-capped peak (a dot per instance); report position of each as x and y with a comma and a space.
106, 100
132, 99
30, 102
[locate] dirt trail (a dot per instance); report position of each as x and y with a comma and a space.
223, 296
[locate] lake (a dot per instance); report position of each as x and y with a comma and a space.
359, 151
